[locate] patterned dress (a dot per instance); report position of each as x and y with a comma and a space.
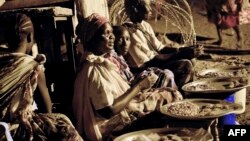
165, 76
18, 73
228, 13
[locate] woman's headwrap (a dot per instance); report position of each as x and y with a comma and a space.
23, 24
88, 28
18, 27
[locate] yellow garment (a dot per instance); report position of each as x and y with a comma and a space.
96, 86
140, 50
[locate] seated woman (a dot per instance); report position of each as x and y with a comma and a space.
103, 100
121, 45
20, 74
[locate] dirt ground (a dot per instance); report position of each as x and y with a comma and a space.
229, 41
207, 31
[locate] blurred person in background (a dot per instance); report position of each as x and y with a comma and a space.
225, 14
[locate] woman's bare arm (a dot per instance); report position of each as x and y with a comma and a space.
41, 83
121, 102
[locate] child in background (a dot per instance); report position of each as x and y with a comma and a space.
121, 46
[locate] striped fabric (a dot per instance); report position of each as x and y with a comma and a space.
18, 80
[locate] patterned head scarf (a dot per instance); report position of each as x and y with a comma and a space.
87, 29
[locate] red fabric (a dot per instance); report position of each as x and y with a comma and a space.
228, 21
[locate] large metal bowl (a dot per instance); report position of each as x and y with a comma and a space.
229, 71
191, 133
218, 88
207, 109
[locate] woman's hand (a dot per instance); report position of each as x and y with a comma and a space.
122, 101
148, 81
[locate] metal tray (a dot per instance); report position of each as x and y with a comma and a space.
204, 105
190, 133
216, 85
230, 71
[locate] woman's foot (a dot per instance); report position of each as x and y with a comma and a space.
239, 44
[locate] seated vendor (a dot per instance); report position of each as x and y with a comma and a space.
103, 101
147, 51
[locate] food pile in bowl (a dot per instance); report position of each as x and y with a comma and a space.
216, 85
196, 109
230, 71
